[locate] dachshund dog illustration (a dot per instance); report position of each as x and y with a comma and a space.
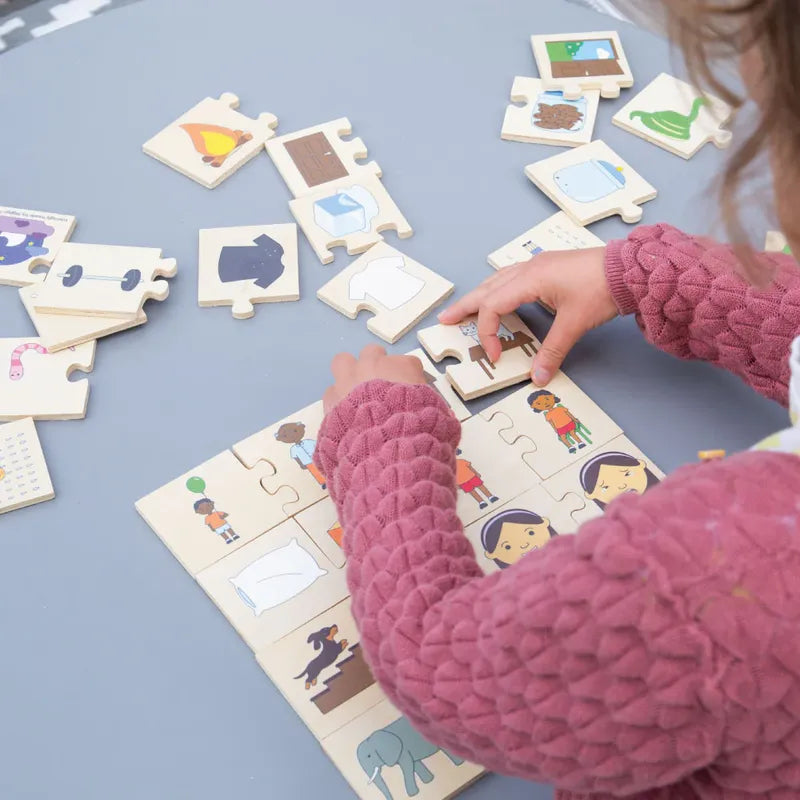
324, 639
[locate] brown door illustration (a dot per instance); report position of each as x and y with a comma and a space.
315, 159
589, 68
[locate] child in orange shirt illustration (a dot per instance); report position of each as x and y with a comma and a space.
471, 483
568, 428
216, 520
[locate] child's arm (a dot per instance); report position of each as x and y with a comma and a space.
611, 661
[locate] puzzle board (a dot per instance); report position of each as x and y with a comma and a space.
438, 381
24, 479
104, 280
214, 509
321, 523
559, 424
25, 237
776, 243
674, 115
396, 289
348, 213
577, 62
59, 331
592, 182
318, 156
547, 116
33, 381
212, 140
274, 584
476, 375
321, 671
289, 446
252, 264
446, 774
521, 526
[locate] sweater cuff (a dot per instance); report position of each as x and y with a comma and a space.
615, 275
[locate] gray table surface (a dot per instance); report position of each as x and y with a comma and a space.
119, 678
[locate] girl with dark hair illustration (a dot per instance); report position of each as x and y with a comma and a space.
608, 475
512, 534
567, 426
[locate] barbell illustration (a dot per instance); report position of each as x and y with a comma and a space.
75, 275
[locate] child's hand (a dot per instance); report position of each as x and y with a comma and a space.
573, 282
373, 362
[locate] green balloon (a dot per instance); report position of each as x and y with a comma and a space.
196, 485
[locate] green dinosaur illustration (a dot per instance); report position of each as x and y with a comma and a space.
671, 123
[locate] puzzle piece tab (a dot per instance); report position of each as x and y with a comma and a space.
33, 381
398, 290
592, 182
212, 140
95, 280
24, 479
245, 265
476, 375
436, 380
547, 116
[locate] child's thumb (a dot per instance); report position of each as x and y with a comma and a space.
559, 341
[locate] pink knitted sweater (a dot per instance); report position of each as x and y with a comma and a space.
656, 653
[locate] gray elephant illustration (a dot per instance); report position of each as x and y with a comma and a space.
398, 744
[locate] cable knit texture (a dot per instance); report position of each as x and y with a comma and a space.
653, 655
690, 301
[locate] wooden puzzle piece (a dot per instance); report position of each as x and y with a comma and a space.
34, 382
321, 523
274, 584
676, 116
577, 62
437, 380
349, 213
776, 243
24, 479
316, 156
521, 526
59, 331
104, 280
213, 509
245, 265
547, 116
25, 237
591, 182
398, 290
617, 468
212, 140
321, 671
383, 757
476, 375
560, 421
289, 446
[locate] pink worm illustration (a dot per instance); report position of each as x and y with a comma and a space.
17, 370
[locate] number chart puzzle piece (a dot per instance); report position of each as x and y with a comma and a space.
34, 382
592, 182
674, 115
242, 266
321, 671
560, 420
289, 446
776, 243
321, 523
576, 62
213, 510
350, 214
398, 290
436, 380
273, 585
548, 117
616, 468
317, 156
476, 375
364, 752
59, 331
521, 526
25, 238
212, 140
24, 479
96, 280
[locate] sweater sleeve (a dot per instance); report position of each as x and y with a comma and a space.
691, 301
584, 664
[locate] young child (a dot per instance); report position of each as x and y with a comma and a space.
655, 654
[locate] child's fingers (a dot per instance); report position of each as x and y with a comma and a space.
505, 298
471, 302
342, 364
564, 333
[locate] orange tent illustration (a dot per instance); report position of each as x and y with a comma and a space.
335, 532
214, 142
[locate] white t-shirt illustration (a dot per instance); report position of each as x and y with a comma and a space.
385, 281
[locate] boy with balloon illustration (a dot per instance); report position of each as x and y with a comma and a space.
217, 521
